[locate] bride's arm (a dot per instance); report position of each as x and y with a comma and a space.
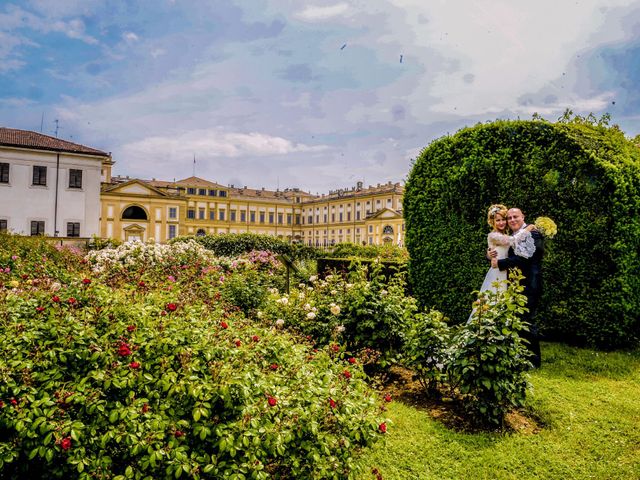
496, 238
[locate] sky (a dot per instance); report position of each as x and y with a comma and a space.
310, 94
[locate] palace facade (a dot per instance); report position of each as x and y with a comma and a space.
161, 210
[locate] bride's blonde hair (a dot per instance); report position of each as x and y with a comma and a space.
496, 209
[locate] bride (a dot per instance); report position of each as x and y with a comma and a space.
499, 240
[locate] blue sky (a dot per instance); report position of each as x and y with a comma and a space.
308, 94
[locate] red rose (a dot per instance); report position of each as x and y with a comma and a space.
1, 404
14, 402
171, 307
387, 398
24, 276
72, 300
124, 350
39, 309
383, 427
238, 343
179, 433
145, 408
163, 313
352, 360
141, 283
273, 366
255, 338
134, 365
65, 443
332, 403
86, 281
272, 401
131, 328
347, 374
55, 299
224, 324
335, 347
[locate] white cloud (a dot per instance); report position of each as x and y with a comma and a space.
314, 13
130, 37
214, 143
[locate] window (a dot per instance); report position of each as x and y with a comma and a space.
243, 216
261, 217
39, 176
271, 217
173, 212
172, 231
212, 214
3, 225
325, 218
201, 213
221, 213
370, 228
340, 217
134, 213
333, 218
75, 179
317, 218
387, 230
297, 219
222, 193
73, 229
191, 213
289, 218
201, 232
213, 193
232, 216
191, 191
4, 173
252, 216
358, 215
202, 191
310, 219
37, 227
280, 218
348, 216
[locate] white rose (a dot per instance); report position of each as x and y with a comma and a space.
279, 323
307, 306
335, 310
311, 315
340, 328
313, 278
334, 292
259, 314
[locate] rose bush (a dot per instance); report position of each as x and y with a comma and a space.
163, 378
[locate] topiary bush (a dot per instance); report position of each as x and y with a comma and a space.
351, 250
581, 173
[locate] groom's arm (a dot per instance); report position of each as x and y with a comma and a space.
512, 261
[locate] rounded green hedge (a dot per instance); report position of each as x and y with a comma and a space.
231, 245
585, 176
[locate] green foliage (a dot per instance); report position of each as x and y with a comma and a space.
367, 315
384, 252
488, 359
163, 378
233, 245
427, 350
581, 173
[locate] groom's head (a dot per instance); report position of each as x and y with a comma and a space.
515, 219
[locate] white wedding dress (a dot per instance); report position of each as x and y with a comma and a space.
523, 246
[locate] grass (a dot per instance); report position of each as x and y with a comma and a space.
586, 403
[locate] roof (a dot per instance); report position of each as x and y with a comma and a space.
384, 189
197, 182
286, 194
12, 137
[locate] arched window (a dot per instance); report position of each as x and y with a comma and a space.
200, 232
134, 213
387, 230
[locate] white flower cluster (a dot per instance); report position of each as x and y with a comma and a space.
137, 254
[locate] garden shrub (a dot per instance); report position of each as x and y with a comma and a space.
163, 378
487, 361
387, 251
233, 245
427, 350
583, 174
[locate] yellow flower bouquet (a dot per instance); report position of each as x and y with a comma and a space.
546, 226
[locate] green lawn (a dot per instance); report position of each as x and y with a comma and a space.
588, 405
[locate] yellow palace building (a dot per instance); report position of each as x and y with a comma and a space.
135, 209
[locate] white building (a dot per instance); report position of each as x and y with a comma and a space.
50, 186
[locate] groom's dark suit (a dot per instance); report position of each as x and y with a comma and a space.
531, 268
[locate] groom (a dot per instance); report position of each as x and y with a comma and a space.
531, 268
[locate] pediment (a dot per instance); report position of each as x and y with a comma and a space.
135, 187
385, 214
134, 228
